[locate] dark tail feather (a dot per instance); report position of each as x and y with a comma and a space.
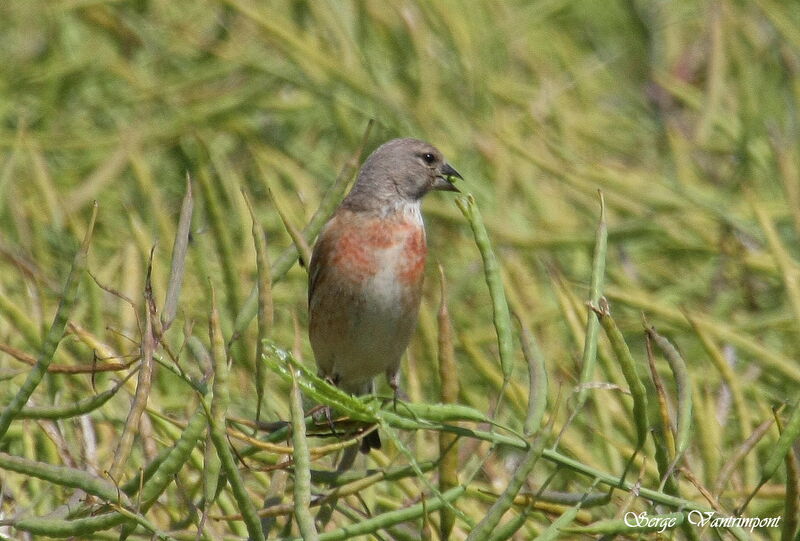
348, 457
370, 441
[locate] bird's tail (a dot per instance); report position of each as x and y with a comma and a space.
348, 457
370, 441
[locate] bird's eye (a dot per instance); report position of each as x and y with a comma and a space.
429, 158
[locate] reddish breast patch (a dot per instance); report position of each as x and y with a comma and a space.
415, 250
353, 255
363, 247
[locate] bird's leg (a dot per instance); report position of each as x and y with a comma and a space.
323, 414
321, 411
391, 376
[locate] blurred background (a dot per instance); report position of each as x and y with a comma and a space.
684, 114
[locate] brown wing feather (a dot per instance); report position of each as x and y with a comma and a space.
319, 256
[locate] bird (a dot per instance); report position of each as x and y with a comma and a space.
367, 268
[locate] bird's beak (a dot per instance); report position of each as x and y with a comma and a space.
443, 182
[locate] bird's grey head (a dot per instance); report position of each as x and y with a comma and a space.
398, 172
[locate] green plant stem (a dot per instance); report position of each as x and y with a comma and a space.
54, 334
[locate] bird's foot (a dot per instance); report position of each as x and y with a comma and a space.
371, 440
397, 392
324, 415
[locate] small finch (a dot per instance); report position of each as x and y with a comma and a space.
367, 268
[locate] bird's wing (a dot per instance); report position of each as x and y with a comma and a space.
321, 253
